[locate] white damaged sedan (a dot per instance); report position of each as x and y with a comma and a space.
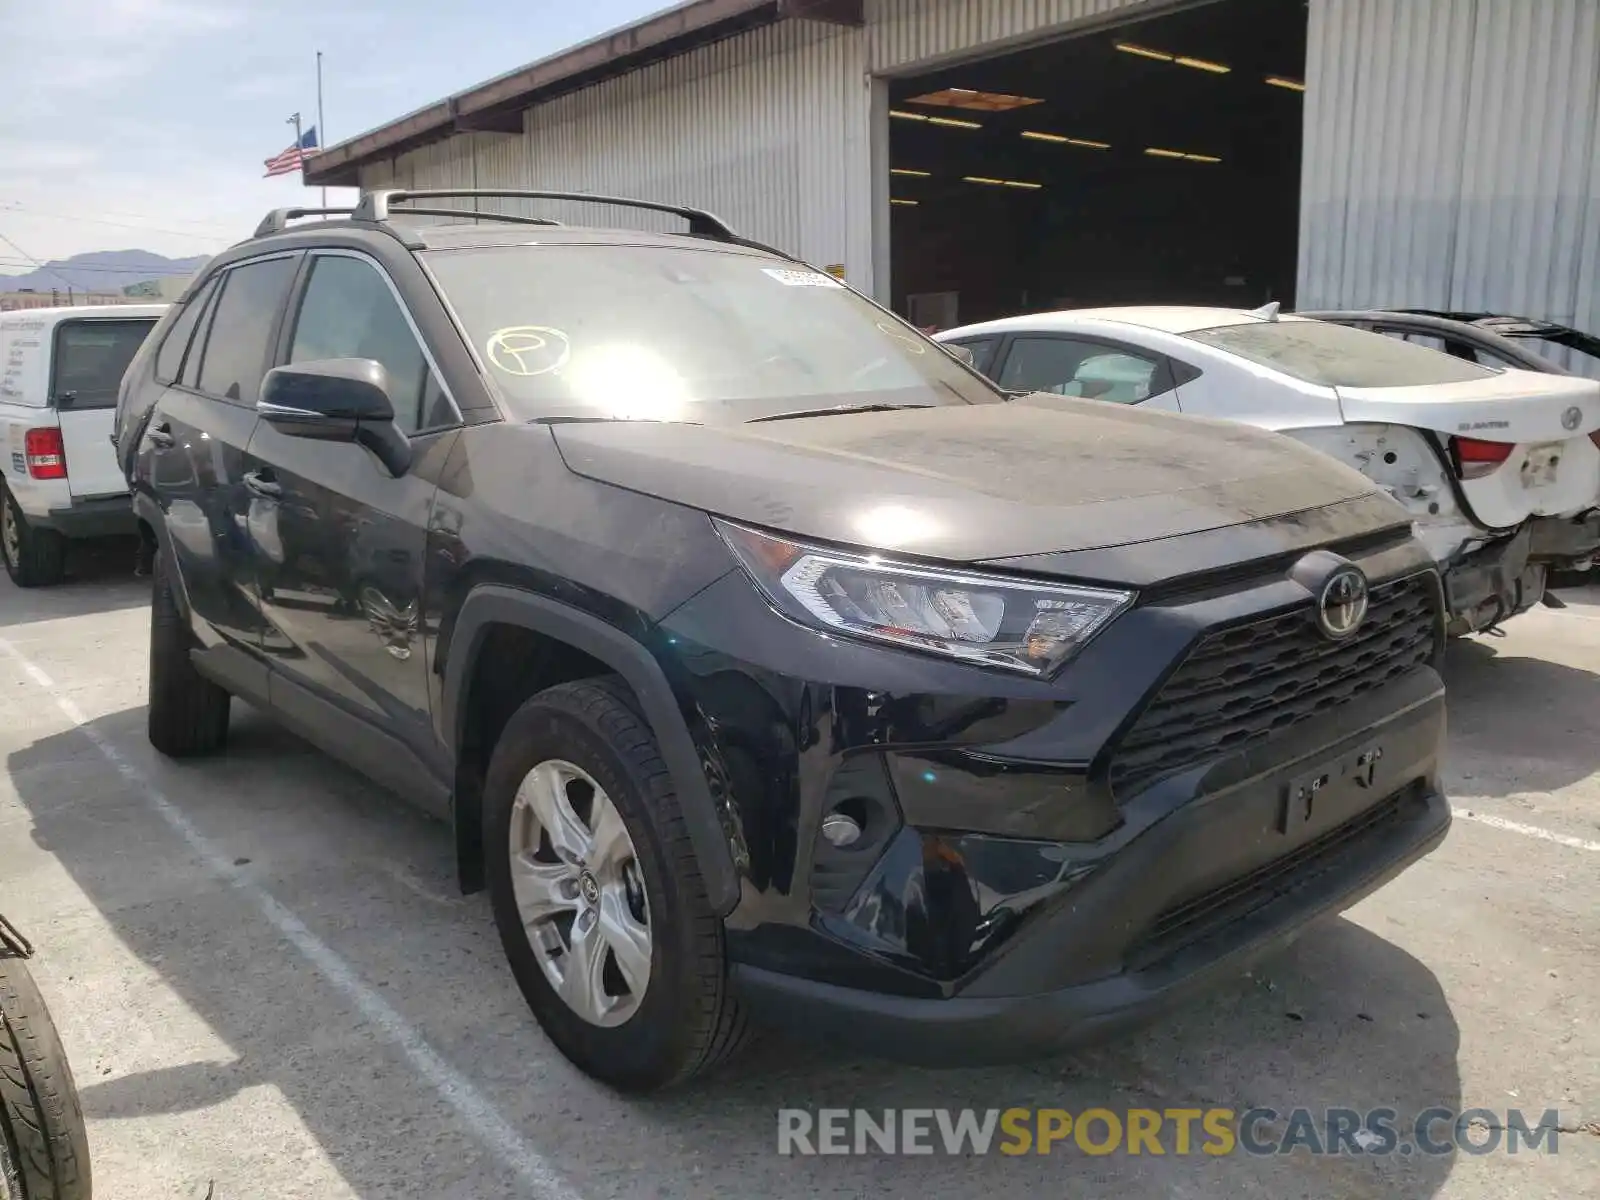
1500, 468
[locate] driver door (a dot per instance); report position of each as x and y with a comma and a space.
340, 541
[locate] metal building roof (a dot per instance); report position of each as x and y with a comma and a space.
497, 105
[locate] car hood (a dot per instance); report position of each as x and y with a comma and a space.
1040, 474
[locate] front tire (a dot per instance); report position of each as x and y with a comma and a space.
33, 557
579, 760
188, 713
44, 1149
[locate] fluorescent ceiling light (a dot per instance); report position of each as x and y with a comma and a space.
909, 171
1040, 136
1143, 51
1011, 183
1201, 64
953, 123
1293, 85
907, 203
1158, 152
907, 116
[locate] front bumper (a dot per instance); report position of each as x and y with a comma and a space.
101, 516
1221, 879
974, 1030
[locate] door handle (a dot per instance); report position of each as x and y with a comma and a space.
160, 436
258, 484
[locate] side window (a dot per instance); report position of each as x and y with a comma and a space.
349, 312
169, 359
983, 349
197, 344
90, 359
1093, 370
240, 337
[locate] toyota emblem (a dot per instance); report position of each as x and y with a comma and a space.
1342, 603
1572, 418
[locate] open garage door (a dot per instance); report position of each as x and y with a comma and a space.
1158, 162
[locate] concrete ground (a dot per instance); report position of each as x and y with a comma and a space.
265, 978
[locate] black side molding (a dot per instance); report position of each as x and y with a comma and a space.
491, 604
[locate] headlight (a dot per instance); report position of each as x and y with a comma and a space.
987, 619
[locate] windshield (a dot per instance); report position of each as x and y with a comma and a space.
1338, 356
684, 334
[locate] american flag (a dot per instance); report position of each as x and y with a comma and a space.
294, 157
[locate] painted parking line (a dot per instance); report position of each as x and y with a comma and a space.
1533, 831
538, 1176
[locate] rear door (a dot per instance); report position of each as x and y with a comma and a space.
89, 355
194, 443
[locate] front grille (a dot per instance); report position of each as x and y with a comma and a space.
1242, 685
1184, 923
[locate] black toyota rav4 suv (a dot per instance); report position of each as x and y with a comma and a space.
765, 658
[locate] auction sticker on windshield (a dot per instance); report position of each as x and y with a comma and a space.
790, 278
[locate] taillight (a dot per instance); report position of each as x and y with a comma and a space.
1475, 458
47, 457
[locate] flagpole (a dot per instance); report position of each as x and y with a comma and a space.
322, 125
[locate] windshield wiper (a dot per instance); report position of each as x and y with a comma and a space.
834, 410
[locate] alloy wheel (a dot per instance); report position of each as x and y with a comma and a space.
580, 893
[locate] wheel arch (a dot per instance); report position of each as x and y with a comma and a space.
154, 538
490, 606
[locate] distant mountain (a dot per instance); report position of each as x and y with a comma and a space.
101, 271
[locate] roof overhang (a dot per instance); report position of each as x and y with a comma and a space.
497, 106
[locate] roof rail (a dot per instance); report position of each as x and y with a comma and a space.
278, 219
472, 214
375, 206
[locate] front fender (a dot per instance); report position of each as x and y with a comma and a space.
496, 604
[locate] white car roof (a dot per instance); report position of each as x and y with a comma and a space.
64, 312
1169, 318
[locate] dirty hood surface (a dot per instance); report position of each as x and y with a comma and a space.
1036, 475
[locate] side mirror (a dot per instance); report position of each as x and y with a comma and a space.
964, 353
336, 400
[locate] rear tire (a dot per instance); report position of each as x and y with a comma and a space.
43, 1144
686, 1021
188, 713
34, 557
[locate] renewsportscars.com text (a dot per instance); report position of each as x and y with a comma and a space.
1168, 1131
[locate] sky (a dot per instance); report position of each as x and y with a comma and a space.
144, 124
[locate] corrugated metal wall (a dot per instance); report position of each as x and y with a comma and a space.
1450, 153
1450, 156
902, 34
771, 130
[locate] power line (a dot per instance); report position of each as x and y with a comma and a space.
134, 274
203, 237
122, 212
41, 266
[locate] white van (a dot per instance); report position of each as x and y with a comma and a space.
60, 369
